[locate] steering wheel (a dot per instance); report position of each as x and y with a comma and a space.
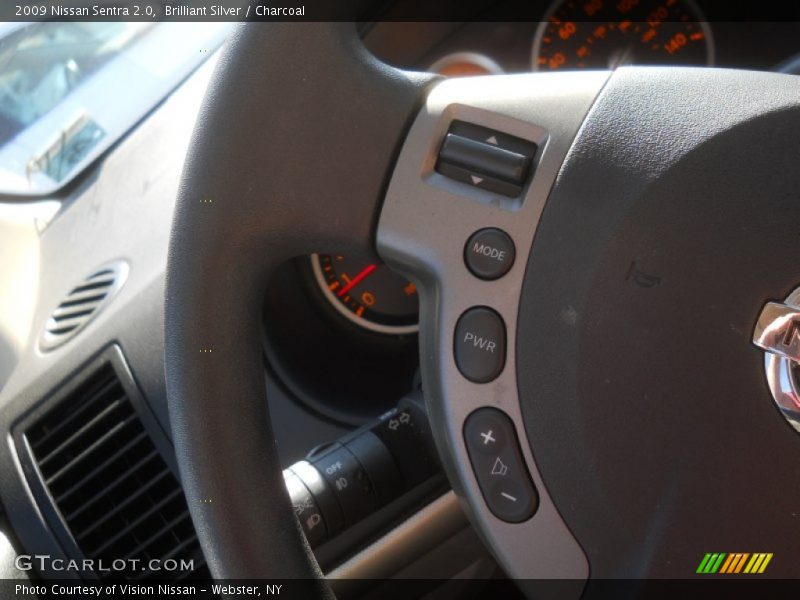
654, 218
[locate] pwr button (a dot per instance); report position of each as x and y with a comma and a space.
479, 344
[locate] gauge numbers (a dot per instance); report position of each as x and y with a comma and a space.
606, 34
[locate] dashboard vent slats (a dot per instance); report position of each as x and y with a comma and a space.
111, 486
82, 304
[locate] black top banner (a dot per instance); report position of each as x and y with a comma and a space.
371, 10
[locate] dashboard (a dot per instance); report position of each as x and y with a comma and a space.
339, 335
361, 316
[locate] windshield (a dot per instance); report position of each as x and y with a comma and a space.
69, 90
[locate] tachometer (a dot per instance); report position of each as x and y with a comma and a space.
606, 34
368, 294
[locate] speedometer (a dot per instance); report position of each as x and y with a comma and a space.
606, 34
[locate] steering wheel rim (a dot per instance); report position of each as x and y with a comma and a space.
257, 191
237, 218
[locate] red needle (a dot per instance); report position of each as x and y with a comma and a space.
357, 279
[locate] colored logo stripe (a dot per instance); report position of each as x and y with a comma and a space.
711, 563
758, 563
733, 563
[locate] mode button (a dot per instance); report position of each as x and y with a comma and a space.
480, 344
489, 253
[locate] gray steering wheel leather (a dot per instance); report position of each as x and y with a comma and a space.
639, 388
290, 156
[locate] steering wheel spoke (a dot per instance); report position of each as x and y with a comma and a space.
428, 232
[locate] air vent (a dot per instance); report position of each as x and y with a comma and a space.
83, 303
113, 490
